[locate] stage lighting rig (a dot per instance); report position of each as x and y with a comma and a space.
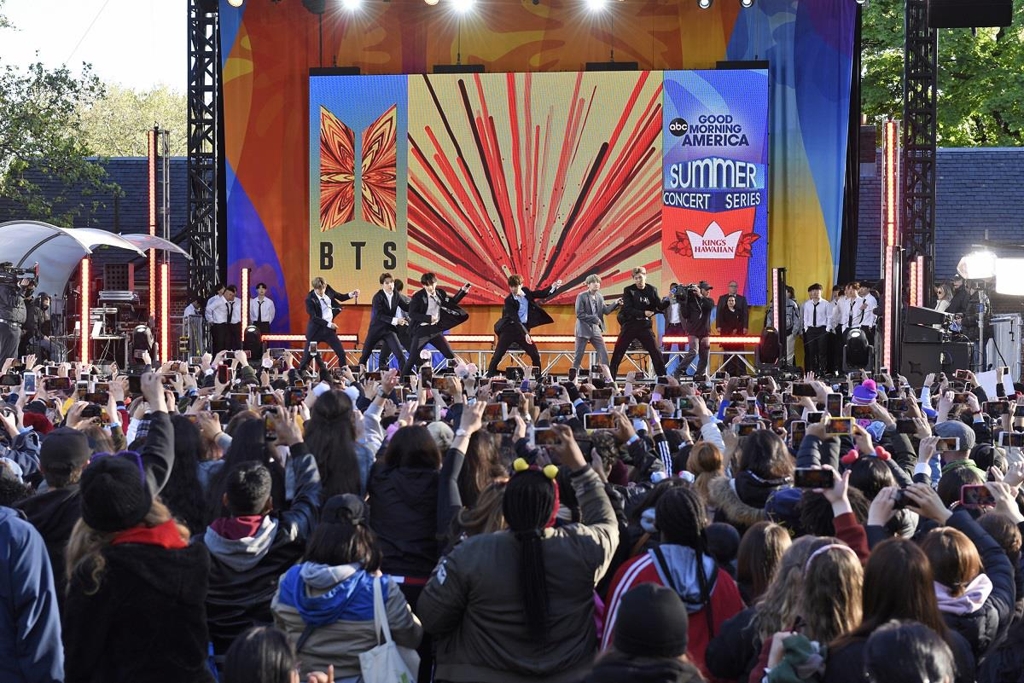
857, 350
351, 5
430, 2
746, 4
597, 5
236, 3
704, 4
462, 6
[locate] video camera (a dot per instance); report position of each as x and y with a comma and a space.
9, 275
683, 292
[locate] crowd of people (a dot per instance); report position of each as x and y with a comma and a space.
241, 520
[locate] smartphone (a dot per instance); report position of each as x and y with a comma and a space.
135, 384
834, 404
898, 405
638, 411
1012, 439
495, 412
372, 375
804, 389
779, 418
220, 405
815, 417
240, 397
797, 431
545, 436
949, 443
269, 431
747, 428
100, 398
672, 391
510, 397
294, 397
426, 376
562, 410
268, 400
862, 412
839, 426
553, 391
620, 400
592, 421
671, 423
685, 404
905, 425
996, 409
788, 398
721, 374
976, 496
964, 375
1018, 411
960, 397
601, 394
427, 413
807, 478
501, 427
223, 374
30, 383
751, 404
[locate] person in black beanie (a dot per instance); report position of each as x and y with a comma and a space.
650, 639
135, 609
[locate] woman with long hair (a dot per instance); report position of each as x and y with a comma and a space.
325, 604
136, 605
330, 435
758, 559
943, 297
764, 467
898, 584
482, 468
519, 604
183, 495
705, 463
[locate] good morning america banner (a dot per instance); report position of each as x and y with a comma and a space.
715, 179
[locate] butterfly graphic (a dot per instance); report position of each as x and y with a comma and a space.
379, 169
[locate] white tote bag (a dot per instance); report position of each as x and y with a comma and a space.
387, 663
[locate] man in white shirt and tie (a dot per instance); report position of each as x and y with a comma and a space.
224, 313
867, 316
261, 310
817, 316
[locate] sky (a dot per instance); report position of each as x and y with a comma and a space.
136, 43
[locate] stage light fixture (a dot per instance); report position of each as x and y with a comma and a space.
462, 6
978, 265
142, 342
431, 2
236, 3
857, 350
704, 4
597, 5
1010, 276
746, 3
351, 5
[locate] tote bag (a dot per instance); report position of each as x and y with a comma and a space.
387, 663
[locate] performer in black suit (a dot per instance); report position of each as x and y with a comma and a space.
520, 314
386, 320
322, 305
432, 312
640, 302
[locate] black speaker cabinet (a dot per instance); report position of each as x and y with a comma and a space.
921, 359
969, 13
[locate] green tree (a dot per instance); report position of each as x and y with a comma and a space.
45, 170
116, 124
980, 80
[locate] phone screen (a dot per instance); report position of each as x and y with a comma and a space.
30, 383
592, 421
838, 426
223, 374
976, 496
546, 437
805, 478
1012, 439
834, 404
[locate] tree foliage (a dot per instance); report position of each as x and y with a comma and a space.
116, 124
45, 170
981, 77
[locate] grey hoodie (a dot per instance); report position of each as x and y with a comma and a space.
245, 553
682, 567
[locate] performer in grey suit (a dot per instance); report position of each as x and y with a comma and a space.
590, 312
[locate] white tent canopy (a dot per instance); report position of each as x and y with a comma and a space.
144, 240
58, 251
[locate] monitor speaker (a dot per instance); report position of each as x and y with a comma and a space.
969, 13
920, 359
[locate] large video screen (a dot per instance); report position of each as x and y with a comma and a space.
475, 177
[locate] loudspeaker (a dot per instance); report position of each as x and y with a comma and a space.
921, 359
969, 13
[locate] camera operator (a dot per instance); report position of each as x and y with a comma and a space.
13, 284
38, 327
698, 326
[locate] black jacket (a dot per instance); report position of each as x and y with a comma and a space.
54, 514
12, 304
316, 323
403, 514
961, 301
619, 668
451, 315
742, 311
637, 302
535, 315
383, 315
846, 664
988, 624
698, 315
732, 654
243, 575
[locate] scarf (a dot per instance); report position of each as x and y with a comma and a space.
164, 535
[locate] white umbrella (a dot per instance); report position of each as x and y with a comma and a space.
144, 240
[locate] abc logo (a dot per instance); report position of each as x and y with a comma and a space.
678, 127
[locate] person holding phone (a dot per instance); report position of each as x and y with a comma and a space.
520, 314
431, 312
323, 304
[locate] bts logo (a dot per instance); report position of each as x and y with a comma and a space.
378, 169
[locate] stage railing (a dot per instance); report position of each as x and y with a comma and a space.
550, 358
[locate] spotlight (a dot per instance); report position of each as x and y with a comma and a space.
978, 265
857, 350
462, 6
770, 351
236, 3
597, 5
746, 3
704, 4
142, 341
430, 2
351, 5
252, 343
